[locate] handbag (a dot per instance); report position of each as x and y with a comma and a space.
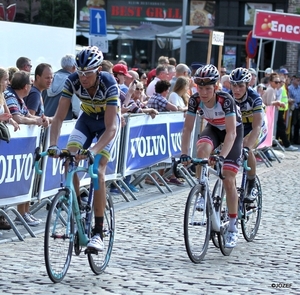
4, 132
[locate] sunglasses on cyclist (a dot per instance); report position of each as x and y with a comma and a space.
240, 84
86, 73
203, 81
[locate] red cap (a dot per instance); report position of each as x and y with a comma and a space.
121, 69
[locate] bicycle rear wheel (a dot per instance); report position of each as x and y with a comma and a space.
197, 225
224, 218
59, 237
98, 262
252, 214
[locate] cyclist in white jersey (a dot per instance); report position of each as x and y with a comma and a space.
224, 126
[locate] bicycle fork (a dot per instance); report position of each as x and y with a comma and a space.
215, 206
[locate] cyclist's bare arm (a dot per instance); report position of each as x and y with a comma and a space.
186, 134
61, 112
256, 127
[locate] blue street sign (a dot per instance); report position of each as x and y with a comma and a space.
97, 22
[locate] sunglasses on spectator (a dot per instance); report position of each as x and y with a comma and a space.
202, 81
86, 73
137, 88
276, 82
29, 66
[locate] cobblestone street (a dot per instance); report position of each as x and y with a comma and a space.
149, 255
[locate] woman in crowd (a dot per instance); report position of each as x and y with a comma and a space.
5, 114
180, 96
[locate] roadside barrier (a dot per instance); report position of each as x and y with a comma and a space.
144, 146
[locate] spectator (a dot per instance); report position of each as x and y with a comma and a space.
172, 61
43, 77
20, 87
144, 79
160, 74
253, 73
180, 96
171, 71
268, 72
223, 71
269, 97
158, 100
133, 76
294, 93
24, 63
225, 83
162, 60
260, 89
11, 71
120, 71
280, 126
138, 101
52, 95
6, 117
182, 70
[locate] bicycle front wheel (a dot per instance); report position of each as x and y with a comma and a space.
59, 237
98, 262
252, 214
197, 225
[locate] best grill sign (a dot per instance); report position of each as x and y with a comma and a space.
276, 26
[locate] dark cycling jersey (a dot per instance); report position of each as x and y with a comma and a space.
250, 104
107, 93
224, 107
90, 123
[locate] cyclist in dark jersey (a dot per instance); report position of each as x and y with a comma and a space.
253, 115
100, 118
224, 125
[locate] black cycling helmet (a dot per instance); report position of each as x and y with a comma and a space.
240, 75
206, 75
89, 58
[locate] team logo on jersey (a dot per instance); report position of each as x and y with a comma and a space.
227, 103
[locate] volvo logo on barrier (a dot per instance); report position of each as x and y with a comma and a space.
16, 167
148, 146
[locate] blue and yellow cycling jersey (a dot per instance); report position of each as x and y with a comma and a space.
107, 93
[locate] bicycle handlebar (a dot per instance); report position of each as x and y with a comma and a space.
64, 154
196, 161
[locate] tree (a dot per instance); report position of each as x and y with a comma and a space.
57, 13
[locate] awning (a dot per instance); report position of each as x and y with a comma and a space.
147, 32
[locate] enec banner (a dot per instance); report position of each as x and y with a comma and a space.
276, 26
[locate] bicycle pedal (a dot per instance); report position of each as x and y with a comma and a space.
91, 251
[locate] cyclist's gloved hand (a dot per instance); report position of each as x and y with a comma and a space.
53, 151
185, 159
219, 166
83, 154
246, 152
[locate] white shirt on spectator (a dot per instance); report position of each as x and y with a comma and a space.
151, 87
177, 100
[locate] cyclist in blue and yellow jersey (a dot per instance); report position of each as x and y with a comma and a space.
224, 125
253, 115
100, 118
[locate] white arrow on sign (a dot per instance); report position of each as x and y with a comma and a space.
98, 17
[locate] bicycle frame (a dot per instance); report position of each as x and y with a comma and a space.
214, 205
69, 186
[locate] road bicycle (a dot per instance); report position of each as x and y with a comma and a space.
69, 226
206, 213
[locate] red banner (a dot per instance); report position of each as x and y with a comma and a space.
276, 26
